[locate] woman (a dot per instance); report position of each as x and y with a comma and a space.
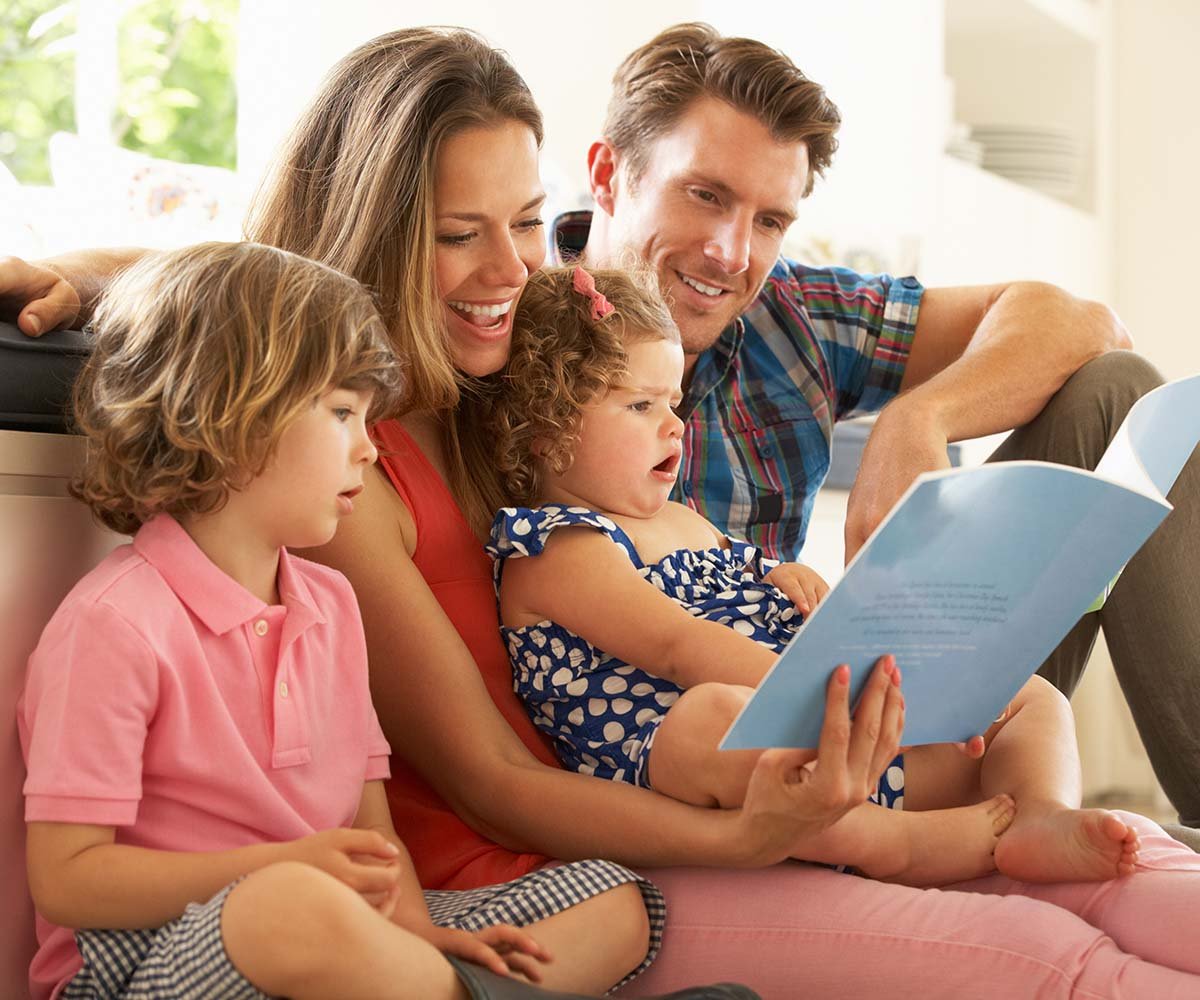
438, 214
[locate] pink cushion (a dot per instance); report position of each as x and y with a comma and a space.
47, 542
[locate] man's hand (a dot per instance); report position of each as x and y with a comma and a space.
40, 299
789, 797
802, 584
905, 442
502, 949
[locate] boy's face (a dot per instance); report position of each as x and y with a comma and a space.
627, 457
317, 470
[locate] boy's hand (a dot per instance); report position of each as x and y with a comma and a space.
802, 584
502, 949
362, 859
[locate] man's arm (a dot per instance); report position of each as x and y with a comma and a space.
984, 360
59, 291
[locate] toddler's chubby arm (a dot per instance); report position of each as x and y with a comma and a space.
803, 585
501, 948
587, 584
80, 877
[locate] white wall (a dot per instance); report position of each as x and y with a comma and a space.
882, 188
1157, 171
883, 64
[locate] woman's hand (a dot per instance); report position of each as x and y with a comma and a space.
502, 949
802, 584
41, 299
789, 796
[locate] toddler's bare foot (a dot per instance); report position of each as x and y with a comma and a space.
949, 845
1056, 844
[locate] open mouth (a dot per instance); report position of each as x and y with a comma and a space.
669, 466
486, 316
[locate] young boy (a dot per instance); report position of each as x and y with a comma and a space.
204, 796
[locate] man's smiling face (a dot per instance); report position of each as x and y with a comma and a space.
709, 213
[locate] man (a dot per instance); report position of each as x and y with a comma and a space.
710, 143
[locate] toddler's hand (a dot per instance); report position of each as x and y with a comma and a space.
802, 584
362, 859
502, 949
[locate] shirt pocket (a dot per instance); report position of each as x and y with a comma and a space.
772, 474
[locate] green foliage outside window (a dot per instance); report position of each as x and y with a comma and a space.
178, 97
37, 83
178, 88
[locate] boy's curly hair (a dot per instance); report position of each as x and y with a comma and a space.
201, 359
562, 359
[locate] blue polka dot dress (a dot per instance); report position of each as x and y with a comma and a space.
602, 713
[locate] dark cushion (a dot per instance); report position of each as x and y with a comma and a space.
36, 376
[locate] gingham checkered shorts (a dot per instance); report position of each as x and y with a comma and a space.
186, 959
182, 959
542, 894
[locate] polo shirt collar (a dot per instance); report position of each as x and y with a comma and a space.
214, 597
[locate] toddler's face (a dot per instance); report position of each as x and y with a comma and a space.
627, 458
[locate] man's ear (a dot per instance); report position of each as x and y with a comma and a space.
603, 169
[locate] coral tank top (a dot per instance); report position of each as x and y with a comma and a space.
446, 852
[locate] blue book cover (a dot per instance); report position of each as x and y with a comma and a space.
973, 579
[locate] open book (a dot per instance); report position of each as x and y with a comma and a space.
973, 579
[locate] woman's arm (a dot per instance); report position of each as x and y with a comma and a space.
59, 291
80, 877
437, 715
609, 604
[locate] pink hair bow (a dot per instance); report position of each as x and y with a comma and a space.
585, 284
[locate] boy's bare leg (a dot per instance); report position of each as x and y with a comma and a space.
927, 848
269, 918
1032, 756
295, 931
596, 942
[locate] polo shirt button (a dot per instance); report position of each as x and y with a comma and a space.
687, 488
283, 689
260, 627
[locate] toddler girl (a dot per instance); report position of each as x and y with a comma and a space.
637, 630
204, 765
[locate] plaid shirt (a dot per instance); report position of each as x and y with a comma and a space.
818, 345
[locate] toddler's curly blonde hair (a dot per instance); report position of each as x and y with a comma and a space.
201, 359
563, 359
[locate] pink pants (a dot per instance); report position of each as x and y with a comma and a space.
797, 931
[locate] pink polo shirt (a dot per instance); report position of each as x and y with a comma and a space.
167, 701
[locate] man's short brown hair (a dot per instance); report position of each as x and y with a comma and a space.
657, 83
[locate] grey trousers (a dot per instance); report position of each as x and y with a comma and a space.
1151, 619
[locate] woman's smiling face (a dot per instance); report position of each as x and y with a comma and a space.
489, 237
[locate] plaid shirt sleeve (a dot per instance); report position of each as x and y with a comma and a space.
863, 326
